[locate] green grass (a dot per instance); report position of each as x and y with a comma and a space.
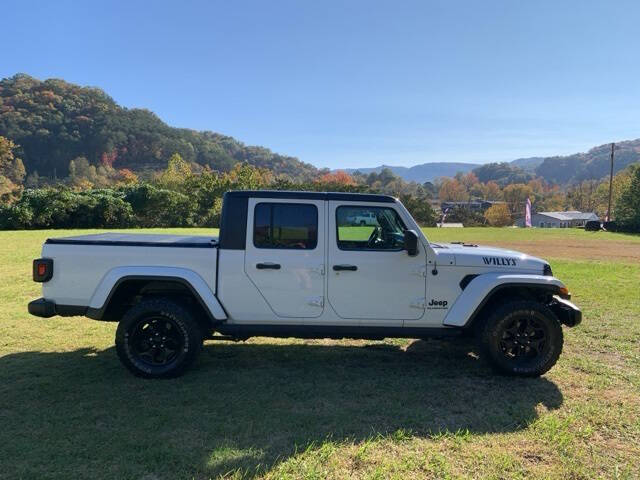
355, 233
328, 409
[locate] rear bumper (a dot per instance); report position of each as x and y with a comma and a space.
42, 308
567, 312
48, 308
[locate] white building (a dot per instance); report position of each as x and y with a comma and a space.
568, 219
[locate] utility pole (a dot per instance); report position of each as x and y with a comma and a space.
608, 219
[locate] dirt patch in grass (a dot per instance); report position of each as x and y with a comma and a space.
577, 249
565, 243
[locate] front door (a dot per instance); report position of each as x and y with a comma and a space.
370, 275
285, 254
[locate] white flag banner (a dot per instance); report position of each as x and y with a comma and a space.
527, 213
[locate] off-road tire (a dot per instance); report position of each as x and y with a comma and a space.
497, 330
170, 318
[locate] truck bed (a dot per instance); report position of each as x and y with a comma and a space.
138, 240
82, 262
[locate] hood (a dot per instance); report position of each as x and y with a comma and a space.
467, 255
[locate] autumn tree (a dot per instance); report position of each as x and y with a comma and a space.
552, 202
582, 196
468, 180
11, 169
621, 182
108, 158
628, 205
516, 196
498, 215
493, 191
127, 177
82, 175
537, 186
338, 177
247, 177
451, 190
176, 173
487, 191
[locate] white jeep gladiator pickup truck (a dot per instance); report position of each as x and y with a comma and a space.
293, 264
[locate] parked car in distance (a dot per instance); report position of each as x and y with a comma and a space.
363, 218
593, 226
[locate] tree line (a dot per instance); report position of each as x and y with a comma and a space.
174, 197
187, 195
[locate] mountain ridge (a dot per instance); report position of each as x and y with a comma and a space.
559, 169
54, 122
426, 172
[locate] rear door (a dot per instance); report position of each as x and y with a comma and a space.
285, 254
370, 274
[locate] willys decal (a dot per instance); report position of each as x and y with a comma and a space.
508, 262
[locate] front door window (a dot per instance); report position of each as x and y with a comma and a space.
369, 228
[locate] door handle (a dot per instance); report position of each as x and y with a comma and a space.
351, 268
268, 266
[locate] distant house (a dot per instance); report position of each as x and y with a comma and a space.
559, 219
474, 205
449, 225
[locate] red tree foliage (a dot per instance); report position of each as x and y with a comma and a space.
109, 158
339, 177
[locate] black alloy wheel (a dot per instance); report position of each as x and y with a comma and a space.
521, 337
158, 338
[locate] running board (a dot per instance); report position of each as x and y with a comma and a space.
244, 331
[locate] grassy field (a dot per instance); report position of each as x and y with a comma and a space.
329, 409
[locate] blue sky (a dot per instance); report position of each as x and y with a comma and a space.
350, 83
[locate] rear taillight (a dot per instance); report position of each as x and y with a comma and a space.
42, 269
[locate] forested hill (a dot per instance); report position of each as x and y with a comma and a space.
563, 170
593, 164
54, 121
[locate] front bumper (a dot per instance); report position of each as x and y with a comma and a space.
567, 312
47, 308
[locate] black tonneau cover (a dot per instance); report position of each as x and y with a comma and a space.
138, 240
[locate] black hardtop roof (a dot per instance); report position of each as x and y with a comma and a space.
340, 196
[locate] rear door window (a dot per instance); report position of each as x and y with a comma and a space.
286, 226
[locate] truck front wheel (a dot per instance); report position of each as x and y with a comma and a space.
158, 338
521, 338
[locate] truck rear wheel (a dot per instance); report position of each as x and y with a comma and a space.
521, 338
158, 338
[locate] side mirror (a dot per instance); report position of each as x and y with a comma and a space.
411, 242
